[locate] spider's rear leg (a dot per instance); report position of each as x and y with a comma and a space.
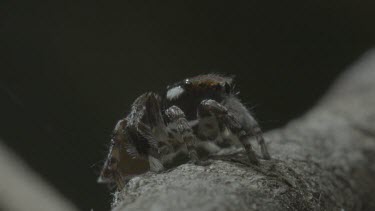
212, 107
177, 121
257, 132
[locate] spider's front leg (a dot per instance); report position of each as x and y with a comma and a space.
179, 125
146, 129
213, 108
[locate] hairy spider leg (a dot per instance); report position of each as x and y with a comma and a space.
177, 120
212, 107
144, 124
247, 121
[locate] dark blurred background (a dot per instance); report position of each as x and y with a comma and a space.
70, 70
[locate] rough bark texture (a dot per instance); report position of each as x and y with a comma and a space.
322, 161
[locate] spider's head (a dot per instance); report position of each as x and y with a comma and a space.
200, 85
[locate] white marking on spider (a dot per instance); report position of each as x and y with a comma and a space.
175, 92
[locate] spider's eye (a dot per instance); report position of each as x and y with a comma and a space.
187, 82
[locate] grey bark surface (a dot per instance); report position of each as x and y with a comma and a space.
321, 161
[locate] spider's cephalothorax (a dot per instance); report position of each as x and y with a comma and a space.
189, 93
209, 101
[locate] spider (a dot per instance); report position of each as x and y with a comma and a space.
203, 111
